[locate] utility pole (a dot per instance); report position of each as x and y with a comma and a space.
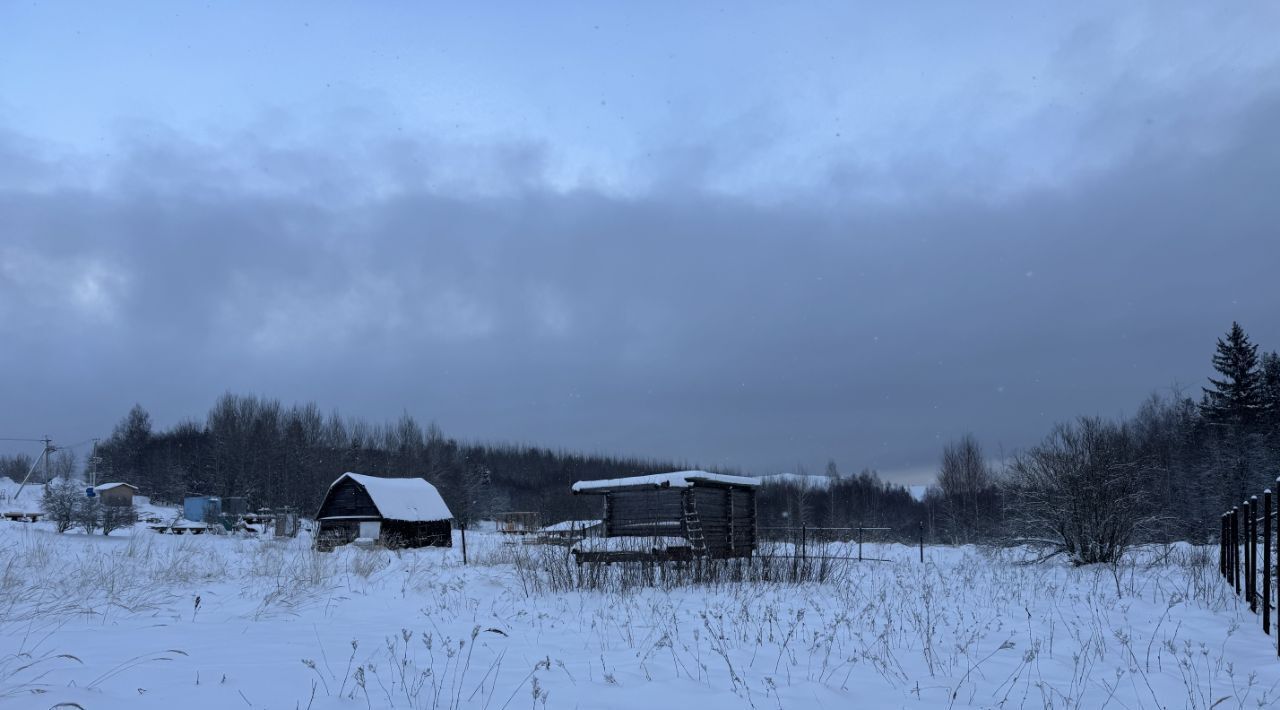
48, 447
47, 450
94, 460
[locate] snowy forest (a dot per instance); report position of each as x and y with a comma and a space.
1166, 472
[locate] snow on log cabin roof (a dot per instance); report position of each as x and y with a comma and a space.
408, 499
571, 525
108, 486
675, 479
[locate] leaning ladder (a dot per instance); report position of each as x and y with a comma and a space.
693, 525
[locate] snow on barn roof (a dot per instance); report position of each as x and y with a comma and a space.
108, 486
571, 525
675, 479
409, 499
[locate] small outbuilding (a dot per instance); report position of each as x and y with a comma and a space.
572, 530
116, 495
202, 509
397, 512
712, 514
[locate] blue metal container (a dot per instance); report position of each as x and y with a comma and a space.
201, 509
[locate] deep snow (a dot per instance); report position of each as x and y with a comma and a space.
162, 621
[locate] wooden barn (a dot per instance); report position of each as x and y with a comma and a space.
396, 512
116, 495
692, 513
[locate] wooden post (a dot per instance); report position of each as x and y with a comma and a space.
1235, 548
1253, 554
859, 543
1254, 508
1266, 561
922, 541
1222, 545
804, 540
463, 528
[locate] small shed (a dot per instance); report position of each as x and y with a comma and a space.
398, 512
572, 530
116, 495
202, 509
714, 513
518, 522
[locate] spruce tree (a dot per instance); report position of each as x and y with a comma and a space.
1236, 399
1233, 407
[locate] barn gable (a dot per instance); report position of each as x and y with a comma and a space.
354, 496
398, 512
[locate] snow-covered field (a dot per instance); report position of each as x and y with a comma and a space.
161, 621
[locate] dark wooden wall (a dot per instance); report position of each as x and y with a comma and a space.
727, 514
655, 513
347, 498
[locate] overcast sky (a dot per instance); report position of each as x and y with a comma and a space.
734, 235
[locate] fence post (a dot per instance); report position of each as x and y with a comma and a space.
1253, 553
1222, 545
804, 540
922, 541
1266, 560
859, 543
462, 527
1235, 548
1238, 573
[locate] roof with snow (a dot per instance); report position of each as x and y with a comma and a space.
109, 486
409, 499
801, 479
676, 479
571, 525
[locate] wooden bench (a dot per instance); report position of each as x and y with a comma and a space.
22, 517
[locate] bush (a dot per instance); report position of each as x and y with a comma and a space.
1080, 491
61, 503
88, 514
115, 517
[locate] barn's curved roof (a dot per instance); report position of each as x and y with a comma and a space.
409, 499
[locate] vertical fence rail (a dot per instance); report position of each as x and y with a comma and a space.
1247, 562
1253, 554
1225, 551
1235, 548
1246, 514
1266, 561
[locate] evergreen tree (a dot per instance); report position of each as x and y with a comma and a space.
1236, 399
1271, 407
1270, 389
1233, 407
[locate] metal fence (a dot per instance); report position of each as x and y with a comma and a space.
824, 543
1243, 528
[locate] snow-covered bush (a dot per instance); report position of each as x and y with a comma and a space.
61, 503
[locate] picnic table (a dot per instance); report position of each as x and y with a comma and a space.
22, 517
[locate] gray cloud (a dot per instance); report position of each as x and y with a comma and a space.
457, 280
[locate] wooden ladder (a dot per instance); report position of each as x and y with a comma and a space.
693, 525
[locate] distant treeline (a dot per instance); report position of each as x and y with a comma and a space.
276, 455
1166, 473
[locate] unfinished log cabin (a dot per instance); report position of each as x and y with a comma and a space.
678, 515
394, 512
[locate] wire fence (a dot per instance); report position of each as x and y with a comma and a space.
824, 543
1247, 533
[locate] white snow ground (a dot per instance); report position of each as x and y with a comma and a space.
160, 621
